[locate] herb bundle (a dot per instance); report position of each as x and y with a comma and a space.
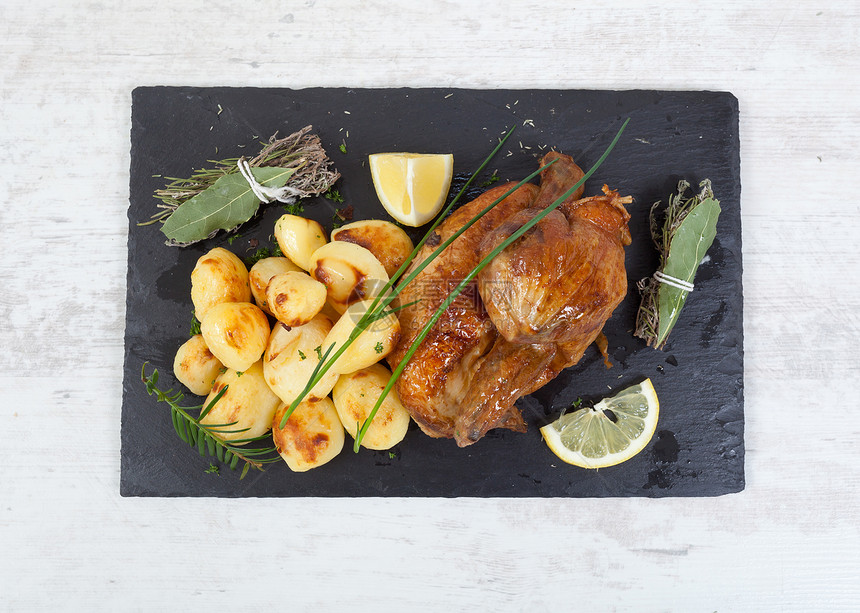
683, 238
220, 198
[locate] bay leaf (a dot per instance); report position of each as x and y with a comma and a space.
690, 243
226, 204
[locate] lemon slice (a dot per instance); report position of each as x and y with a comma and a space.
614, 431
412, 186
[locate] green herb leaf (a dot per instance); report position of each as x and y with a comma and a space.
223, 206
296, 208
261, 254
690, 243
333, 195
195, 325
683, 238
493, 179
205, 437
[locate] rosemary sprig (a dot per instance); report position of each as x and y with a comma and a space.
205, 437
301, 150
377, 307
469, 277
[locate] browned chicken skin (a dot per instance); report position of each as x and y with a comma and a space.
534, 310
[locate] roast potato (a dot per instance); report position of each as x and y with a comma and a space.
294, 297
219, 276
355, 395
195, 367
349, 272
248, 401
236, 333
385, 240
312, 436
298, 238
329, 311
373, 344
291, 356
262, 272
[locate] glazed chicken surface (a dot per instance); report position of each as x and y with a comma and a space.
533, 311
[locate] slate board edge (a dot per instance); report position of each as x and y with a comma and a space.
127, 489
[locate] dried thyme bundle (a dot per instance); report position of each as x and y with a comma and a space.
220, 198
687, 231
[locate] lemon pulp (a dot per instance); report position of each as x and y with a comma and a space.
412, 186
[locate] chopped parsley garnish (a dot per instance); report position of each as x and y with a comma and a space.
493, 179
262, 253
296, 208
334, 195
195, 325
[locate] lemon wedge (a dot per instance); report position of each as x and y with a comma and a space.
611, 432
412, 186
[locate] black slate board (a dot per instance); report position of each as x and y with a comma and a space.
698, 448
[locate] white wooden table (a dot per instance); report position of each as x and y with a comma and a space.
789, 542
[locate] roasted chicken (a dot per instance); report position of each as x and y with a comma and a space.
533, 311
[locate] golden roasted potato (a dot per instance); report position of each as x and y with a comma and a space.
329, 311
219, 276
195, 367
248, 401
292, 355
236, 333
312, 436
295, 298
349, 272
262, 271
385, 240
376, 342
299, 238
355, 395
